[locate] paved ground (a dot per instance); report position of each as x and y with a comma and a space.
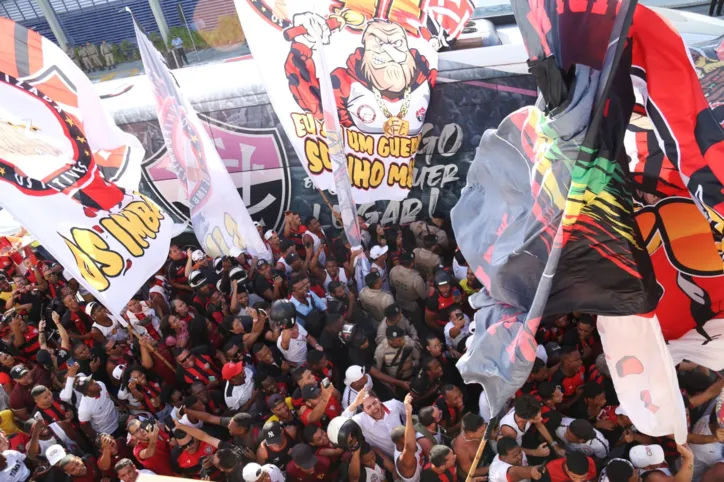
129, 69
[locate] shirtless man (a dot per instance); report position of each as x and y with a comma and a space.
466, 444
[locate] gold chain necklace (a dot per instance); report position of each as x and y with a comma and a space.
395, 124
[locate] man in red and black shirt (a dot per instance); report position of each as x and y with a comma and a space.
576, 467
176, 272
438, 304
192, 367
55, 283
538, 374
320, 405
188, 457
441, 467
76, 321
25, 337
570, 376
307, 467
80, 470
554, 331
450, 402
585, 338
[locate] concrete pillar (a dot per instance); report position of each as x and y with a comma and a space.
52, 19
160, 19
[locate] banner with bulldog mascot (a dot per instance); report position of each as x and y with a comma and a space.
382, 59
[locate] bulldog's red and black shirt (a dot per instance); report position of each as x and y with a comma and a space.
569, 385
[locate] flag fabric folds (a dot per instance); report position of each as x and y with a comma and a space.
27, 55
381, 60
546, 218
674, 149
218, 214
58, 152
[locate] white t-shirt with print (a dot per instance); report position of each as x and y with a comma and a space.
100, 412
15, 470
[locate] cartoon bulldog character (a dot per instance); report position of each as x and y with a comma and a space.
383, 87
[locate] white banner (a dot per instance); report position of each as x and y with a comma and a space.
644, 375
109, 239
382, 57
36, 60
218, 214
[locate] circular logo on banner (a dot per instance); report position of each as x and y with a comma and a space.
366, 114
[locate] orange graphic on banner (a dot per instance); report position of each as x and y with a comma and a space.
406, 13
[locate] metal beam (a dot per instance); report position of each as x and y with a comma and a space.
52, 19
160, 20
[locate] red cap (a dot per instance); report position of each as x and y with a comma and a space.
231, 370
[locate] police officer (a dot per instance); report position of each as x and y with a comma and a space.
434, 226
373, 299
107, 53
70, 52
425, 258
93, 53
85, 58
409, 287
397, 356
394, 317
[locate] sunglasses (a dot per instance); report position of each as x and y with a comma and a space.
185, 359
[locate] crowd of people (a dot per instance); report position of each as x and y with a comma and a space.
300, 369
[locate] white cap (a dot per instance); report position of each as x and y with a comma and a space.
353, 374
541, 353
89, 307
55, 454
252, 472
235, 252
197, 256
643, 456
118, 371
257, 224
268, 235
378, 251
621, 411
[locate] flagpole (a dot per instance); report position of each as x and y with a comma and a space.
481, 448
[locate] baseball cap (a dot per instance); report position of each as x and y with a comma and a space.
257, 224
353, 374
392, 310
275, 400
261, 263
118, 371
378, 251
231, 370
55, 454
235, 252
393, 332
442, 278
19, 371
303, 456
291, 257
310, 392
621, 411
197, 256
273, 433
268, 235
247, 322
407, 257
196, 279
643, 456
82, 384
252, 472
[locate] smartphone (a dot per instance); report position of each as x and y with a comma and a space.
326, 383
38, 416
71, 361
147, 425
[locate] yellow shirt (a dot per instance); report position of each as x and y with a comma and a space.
288, 401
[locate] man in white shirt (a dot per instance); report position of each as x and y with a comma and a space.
293, 343
377, 419
355, 380
262, 473
15, 469
239, 393
96, 411
127, 471
457, 328
511, 465
578, 435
